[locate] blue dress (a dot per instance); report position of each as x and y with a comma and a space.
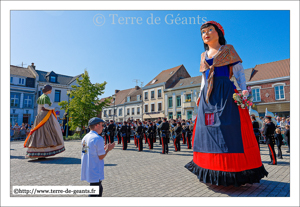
225, 150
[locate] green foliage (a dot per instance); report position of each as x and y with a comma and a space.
84, 102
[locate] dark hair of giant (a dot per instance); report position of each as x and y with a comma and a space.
222, 40
46, 88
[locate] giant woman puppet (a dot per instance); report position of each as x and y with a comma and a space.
45, 138
225, 150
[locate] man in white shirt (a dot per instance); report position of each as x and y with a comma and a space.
92, 154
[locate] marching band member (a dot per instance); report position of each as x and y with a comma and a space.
124, 135
183, 132
119, 136
269, 132
140, 134
151, 134
159, 122
128, 131
111, 129
189, 132
178, 134
164, 128
105, 133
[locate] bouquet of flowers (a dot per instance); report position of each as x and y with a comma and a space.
244, 99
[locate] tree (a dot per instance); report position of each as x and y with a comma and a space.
84, 103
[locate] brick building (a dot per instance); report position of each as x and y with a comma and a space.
270, 84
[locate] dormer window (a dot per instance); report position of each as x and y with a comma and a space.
22, 81
138, 97
171, 73
153, 81
192, 82
52, 79
128, 98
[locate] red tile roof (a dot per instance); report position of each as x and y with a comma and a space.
271, 70
188, 82
164, 75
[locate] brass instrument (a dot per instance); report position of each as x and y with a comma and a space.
255, 113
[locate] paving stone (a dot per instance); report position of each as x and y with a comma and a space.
141, 174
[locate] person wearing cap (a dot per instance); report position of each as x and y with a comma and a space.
223, 142
140, 134
119, 135
188, 134
128, 133
104, 133
159, 122
150, 135
178, 134
183, 126
93, 153
45, 138
111, 129
124, 134
269, 132
164, 128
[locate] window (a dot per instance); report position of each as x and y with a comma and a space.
138, 110
53, 79
120, 112
57, 96
115, 112
22, 81
146, 108
153, 81
132, 111
279, 92
152, 107
188, 97
109, 112
179, 114
256, 94
128, 111
170, 102
13, 119
146, 95
138, 97
28, 101
189, 114
159, 93
170, 115
128, 98
159, 107
152, 94
14, 99
178, 101
11, 79
105, 113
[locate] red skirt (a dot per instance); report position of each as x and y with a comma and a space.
231, 168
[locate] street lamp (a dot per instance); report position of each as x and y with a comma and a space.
68, 93
114, 97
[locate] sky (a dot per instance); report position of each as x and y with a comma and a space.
118, 52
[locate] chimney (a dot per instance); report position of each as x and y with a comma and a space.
137, 87
32, 65
116, 91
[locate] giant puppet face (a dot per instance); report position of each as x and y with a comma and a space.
209, 35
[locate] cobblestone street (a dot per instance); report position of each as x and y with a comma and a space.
142, 174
